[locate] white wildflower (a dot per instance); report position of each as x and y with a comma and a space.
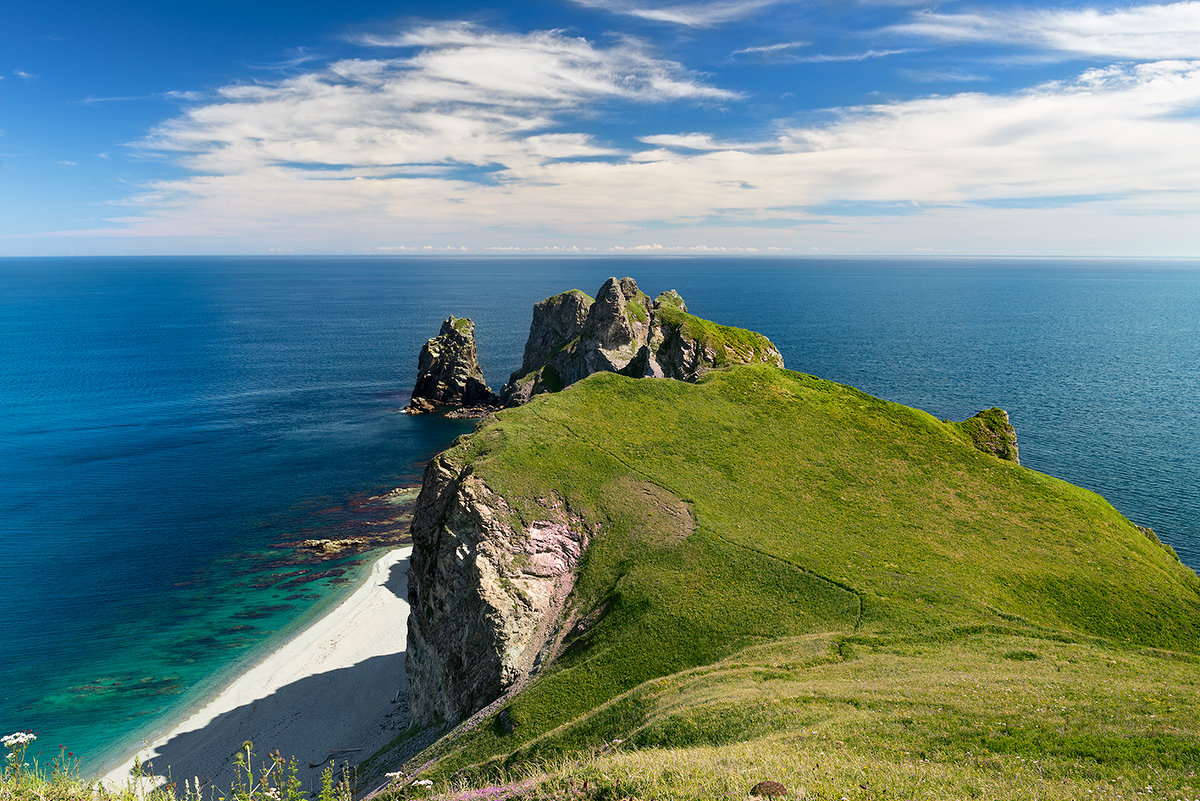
17, 739
423, 783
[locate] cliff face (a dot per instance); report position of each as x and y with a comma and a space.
486, 591
556, 320
623, 331
448, 371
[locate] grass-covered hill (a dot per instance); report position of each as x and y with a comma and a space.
795, 581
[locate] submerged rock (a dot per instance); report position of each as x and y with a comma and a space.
448, 371
335, 546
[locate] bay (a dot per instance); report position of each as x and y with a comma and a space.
166, 424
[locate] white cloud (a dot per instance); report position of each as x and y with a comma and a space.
1144, 32
470, 140
692, 15
944, 76
23, 75
466, 97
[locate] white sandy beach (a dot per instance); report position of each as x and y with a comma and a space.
337, 689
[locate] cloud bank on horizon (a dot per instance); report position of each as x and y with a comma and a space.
719, 126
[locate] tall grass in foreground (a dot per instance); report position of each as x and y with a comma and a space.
275, 780
808, 768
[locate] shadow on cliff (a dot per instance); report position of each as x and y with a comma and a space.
343, 715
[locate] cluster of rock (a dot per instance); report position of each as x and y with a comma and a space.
572, 336
328, 547
623, 331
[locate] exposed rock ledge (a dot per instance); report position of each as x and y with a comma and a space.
486, 590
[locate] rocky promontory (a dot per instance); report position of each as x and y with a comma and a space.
711, 566
991, 432
487, 584
624, 331
573, 336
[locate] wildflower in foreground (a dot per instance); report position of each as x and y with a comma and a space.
18, 741
19, 738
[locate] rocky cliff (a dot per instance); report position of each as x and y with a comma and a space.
488, 585
448, 371
623, 331
486, 590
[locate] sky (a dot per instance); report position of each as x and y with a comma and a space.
787, 127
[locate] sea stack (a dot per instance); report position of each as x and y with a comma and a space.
448, 371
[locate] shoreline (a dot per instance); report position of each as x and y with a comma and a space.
336, 689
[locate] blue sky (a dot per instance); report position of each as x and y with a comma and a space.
601, 126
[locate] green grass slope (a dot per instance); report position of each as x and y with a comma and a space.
787, 561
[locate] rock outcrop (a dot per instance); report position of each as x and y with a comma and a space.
486, 590
991, 432
623, 331
556, 320
448, 371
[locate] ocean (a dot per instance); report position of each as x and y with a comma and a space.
171, 429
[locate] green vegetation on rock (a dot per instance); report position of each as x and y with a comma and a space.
857, 590
722, 340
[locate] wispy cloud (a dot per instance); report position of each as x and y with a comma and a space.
695, 141
944, 76
23, 75
297, 57
692, 15
827, 58
771, 49
1145, 32
173, 96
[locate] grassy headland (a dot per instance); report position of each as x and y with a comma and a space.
792, 580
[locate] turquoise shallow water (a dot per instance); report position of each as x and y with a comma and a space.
167, 424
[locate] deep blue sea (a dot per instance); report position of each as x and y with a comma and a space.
167, 424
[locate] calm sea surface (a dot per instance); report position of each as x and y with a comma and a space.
166, 425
